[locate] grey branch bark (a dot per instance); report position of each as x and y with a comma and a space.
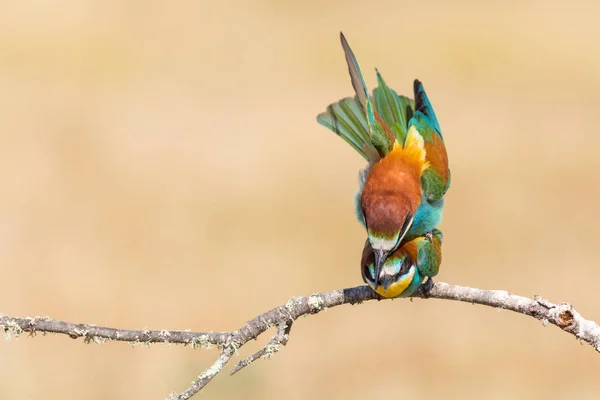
562, 315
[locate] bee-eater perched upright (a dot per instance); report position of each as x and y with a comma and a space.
401, 190
405, 269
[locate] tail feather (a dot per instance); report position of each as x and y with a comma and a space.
381, 135
358, 82
387, 122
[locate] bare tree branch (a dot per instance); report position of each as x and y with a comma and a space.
562, 315
207, 375
280, 338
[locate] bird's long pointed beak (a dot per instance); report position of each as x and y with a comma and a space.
380, 257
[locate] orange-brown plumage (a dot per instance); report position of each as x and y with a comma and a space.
392, 191
411, 248
437, 156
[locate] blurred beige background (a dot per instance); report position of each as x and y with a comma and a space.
161, 168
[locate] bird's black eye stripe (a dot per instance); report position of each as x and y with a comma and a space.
406, 264
405, 226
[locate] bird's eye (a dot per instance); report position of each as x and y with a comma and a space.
406, 264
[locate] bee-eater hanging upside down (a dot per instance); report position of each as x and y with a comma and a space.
401, 190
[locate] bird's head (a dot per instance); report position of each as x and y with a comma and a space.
396, 274
388, 221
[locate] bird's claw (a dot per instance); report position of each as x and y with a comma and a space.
426, 288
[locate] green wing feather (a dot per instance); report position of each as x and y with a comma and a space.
395, 110
378, 131
370, 126
347, 119
429, 253
356, 120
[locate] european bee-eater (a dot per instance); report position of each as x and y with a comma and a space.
401, 190
405, 269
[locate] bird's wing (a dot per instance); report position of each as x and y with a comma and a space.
435, 180
347, 120
395, 110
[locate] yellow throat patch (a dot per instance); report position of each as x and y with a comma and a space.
398, 287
